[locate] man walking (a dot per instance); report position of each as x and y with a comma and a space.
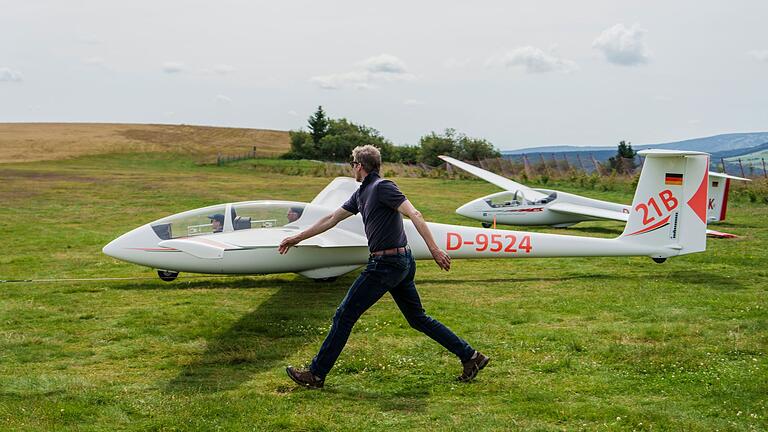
390, 268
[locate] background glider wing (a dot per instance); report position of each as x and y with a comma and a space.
728, 176
588, 211
496, 179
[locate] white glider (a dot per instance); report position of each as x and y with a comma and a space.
665, 220
521, 205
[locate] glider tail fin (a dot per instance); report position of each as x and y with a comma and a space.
719, 186
669, 210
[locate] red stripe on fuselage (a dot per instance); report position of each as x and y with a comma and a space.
652, 227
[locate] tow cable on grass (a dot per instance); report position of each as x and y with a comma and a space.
107, 279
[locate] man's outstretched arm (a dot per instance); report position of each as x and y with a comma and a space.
440, 256
321, 226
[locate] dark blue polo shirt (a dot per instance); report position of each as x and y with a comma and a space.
377, 201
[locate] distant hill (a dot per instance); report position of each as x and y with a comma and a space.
26, 142
712, 144
741, 152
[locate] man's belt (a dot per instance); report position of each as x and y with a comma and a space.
393, 251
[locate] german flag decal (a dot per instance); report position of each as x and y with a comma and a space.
673, 179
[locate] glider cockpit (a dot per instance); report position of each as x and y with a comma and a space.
223, 218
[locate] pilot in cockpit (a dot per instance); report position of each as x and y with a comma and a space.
217, 222
294, 213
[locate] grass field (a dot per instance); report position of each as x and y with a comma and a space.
25, 142
576, 344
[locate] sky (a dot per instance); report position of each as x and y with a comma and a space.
517, 73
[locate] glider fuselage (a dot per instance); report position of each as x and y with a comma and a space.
503, 208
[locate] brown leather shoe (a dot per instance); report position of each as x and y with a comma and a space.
305, 377
473, 366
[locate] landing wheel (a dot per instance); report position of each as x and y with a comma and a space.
658, 260
486, 225
326, 280
168, 275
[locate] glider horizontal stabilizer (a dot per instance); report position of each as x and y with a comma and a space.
595, 212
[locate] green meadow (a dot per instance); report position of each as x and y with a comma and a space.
575, 344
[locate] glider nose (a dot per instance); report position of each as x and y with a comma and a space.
111, 248
129, 244
467, 209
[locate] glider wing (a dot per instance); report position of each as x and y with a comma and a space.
336, 193
496, 179
201, 247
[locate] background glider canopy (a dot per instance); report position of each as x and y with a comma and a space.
502, 182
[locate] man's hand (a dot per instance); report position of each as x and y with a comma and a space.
287, 243
441, 258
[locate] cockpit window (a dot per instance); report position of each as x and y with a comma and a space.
214, 219
506, 199
206, 220
265, 214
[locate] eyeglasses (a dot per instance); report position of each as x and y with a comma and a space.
353, 163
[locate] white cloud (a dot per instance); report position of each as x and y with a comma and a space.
224, 99
10, 75
293, 113
759, 55
384, 63
623, 46
173, 67
223, 69
533, 60
381, 68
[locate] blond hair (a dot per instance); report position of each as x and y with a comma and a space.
368, 156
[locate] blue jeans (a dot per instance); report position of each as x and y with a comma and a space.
393, 273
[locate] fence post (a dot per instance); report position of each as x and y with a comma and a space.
527, 166
218, 159
254, 153
557, 168
597, 166
544, 164
742, 168
722, 162
765, 174
578, 158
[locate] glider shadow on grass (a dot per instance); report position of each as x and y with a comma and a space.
296, 315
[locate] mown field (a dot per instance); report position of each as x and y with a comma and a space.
575, 344
27, 142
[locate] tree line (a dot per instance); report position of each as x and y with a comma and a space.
332, 139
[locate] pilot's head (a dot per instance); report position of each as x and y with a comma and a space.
217, 222
365, 160
294, 213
